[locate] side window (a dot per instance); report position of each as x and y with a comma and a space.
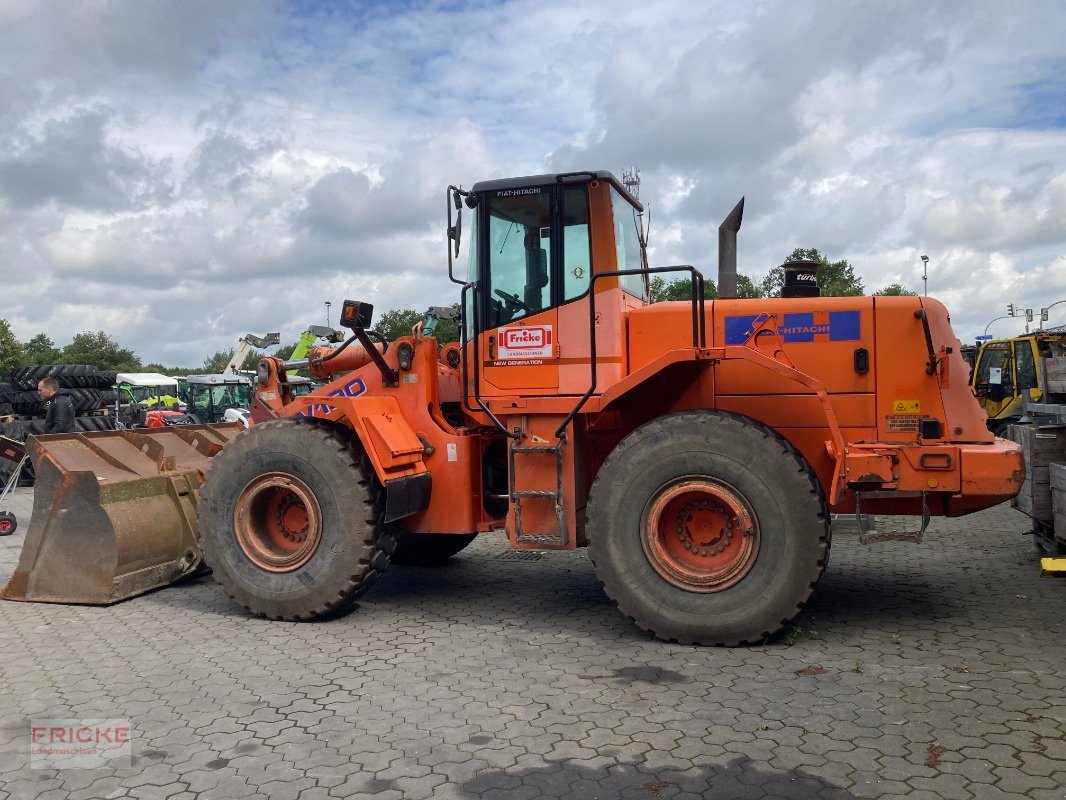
519, 255
1026, 365
627, 245
577, 250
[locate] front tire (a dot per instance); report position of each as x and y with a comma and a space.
708, 528
289, 520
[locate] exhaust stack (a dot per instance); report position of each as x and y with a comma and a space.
727, 252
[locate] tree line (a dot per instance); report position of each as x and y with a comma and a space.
836, 278
102, 351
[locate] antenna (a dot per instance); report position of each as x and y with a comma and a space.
631, 180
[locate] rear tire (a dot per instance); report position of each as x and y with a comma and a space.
289, 518
708, 528
8, 523
428, 549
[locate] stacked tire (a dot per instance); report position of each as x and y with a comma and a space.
22, 410
68, 376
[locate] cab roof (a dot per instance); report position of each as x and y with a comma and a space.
553, 178
145, 379
219, 380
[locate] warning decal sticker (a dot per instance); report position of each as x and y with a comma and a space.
903, 423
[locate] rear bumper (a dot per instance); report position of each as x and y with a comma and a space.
956, 479
991, 474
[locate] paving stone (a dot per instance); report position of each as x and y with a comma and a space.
940, 677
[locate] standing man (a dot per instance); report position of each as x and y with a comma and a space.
60, 418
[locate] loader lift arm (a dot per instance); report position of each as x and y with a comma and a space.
245, 345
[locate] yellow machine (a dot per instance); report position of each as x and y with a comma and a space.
1011, 371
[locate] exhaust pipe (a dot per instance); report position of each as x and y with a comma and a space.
727, 252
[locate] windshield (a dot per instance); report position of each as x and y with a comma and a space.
142, 393
995, 367
220, 395
519, 238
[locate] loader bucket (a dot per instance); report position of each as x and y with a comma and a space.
114, 513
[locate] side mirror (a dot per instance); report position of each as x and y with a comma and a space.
455, 232
455, 197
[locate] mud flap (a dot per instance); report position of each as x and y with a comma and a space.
406, 496
114, 513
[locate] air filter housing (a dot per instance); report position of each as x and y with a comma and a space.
801, 279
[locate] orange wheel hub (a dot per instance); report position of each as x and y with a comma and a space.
699, 534
278, 522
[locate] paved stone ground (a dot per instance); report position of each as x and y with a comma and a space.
919, 671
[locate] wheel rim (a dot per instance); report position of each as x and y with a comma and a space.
5, 526
699, 534
278, 522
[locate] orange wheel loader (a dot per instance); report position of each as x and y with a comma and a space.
698, 449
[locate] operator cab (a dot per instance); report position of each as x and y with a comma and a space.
536, 240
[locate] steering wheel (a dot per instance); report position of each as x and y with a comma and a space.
515, 300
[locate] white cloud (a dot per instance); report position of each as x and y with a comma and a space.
181, 175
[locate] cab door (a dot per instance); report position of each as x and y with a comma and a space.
994, 381
535, 256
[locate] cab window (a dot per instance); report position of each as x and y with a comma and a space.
577, 249
1025, 364
518, 278
627, 245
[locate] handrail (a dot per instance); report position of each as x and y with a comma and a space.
930, 367
473, 287
699, 323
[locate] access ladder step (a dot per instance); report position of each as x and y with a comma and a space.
555, 450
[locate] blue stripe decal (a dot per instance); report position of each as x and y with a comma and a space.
843, 326
737, 329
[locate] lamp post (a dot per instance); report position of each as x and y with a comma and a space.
997, 319
328, 304
925, 276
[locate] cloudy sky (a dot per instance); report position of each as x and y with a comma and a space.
178, 174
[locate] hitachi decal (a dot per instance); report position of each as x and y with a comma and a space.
352, 388
807, 326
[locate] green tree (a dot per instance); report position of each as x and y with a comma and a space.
100, 350
285, 351
40, 350
747, 288
835, 278
681, 289
397, 323
218, 361
11, 351
155, 366
895, 290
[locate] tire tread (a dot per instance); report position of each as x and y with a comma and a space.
597, 499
